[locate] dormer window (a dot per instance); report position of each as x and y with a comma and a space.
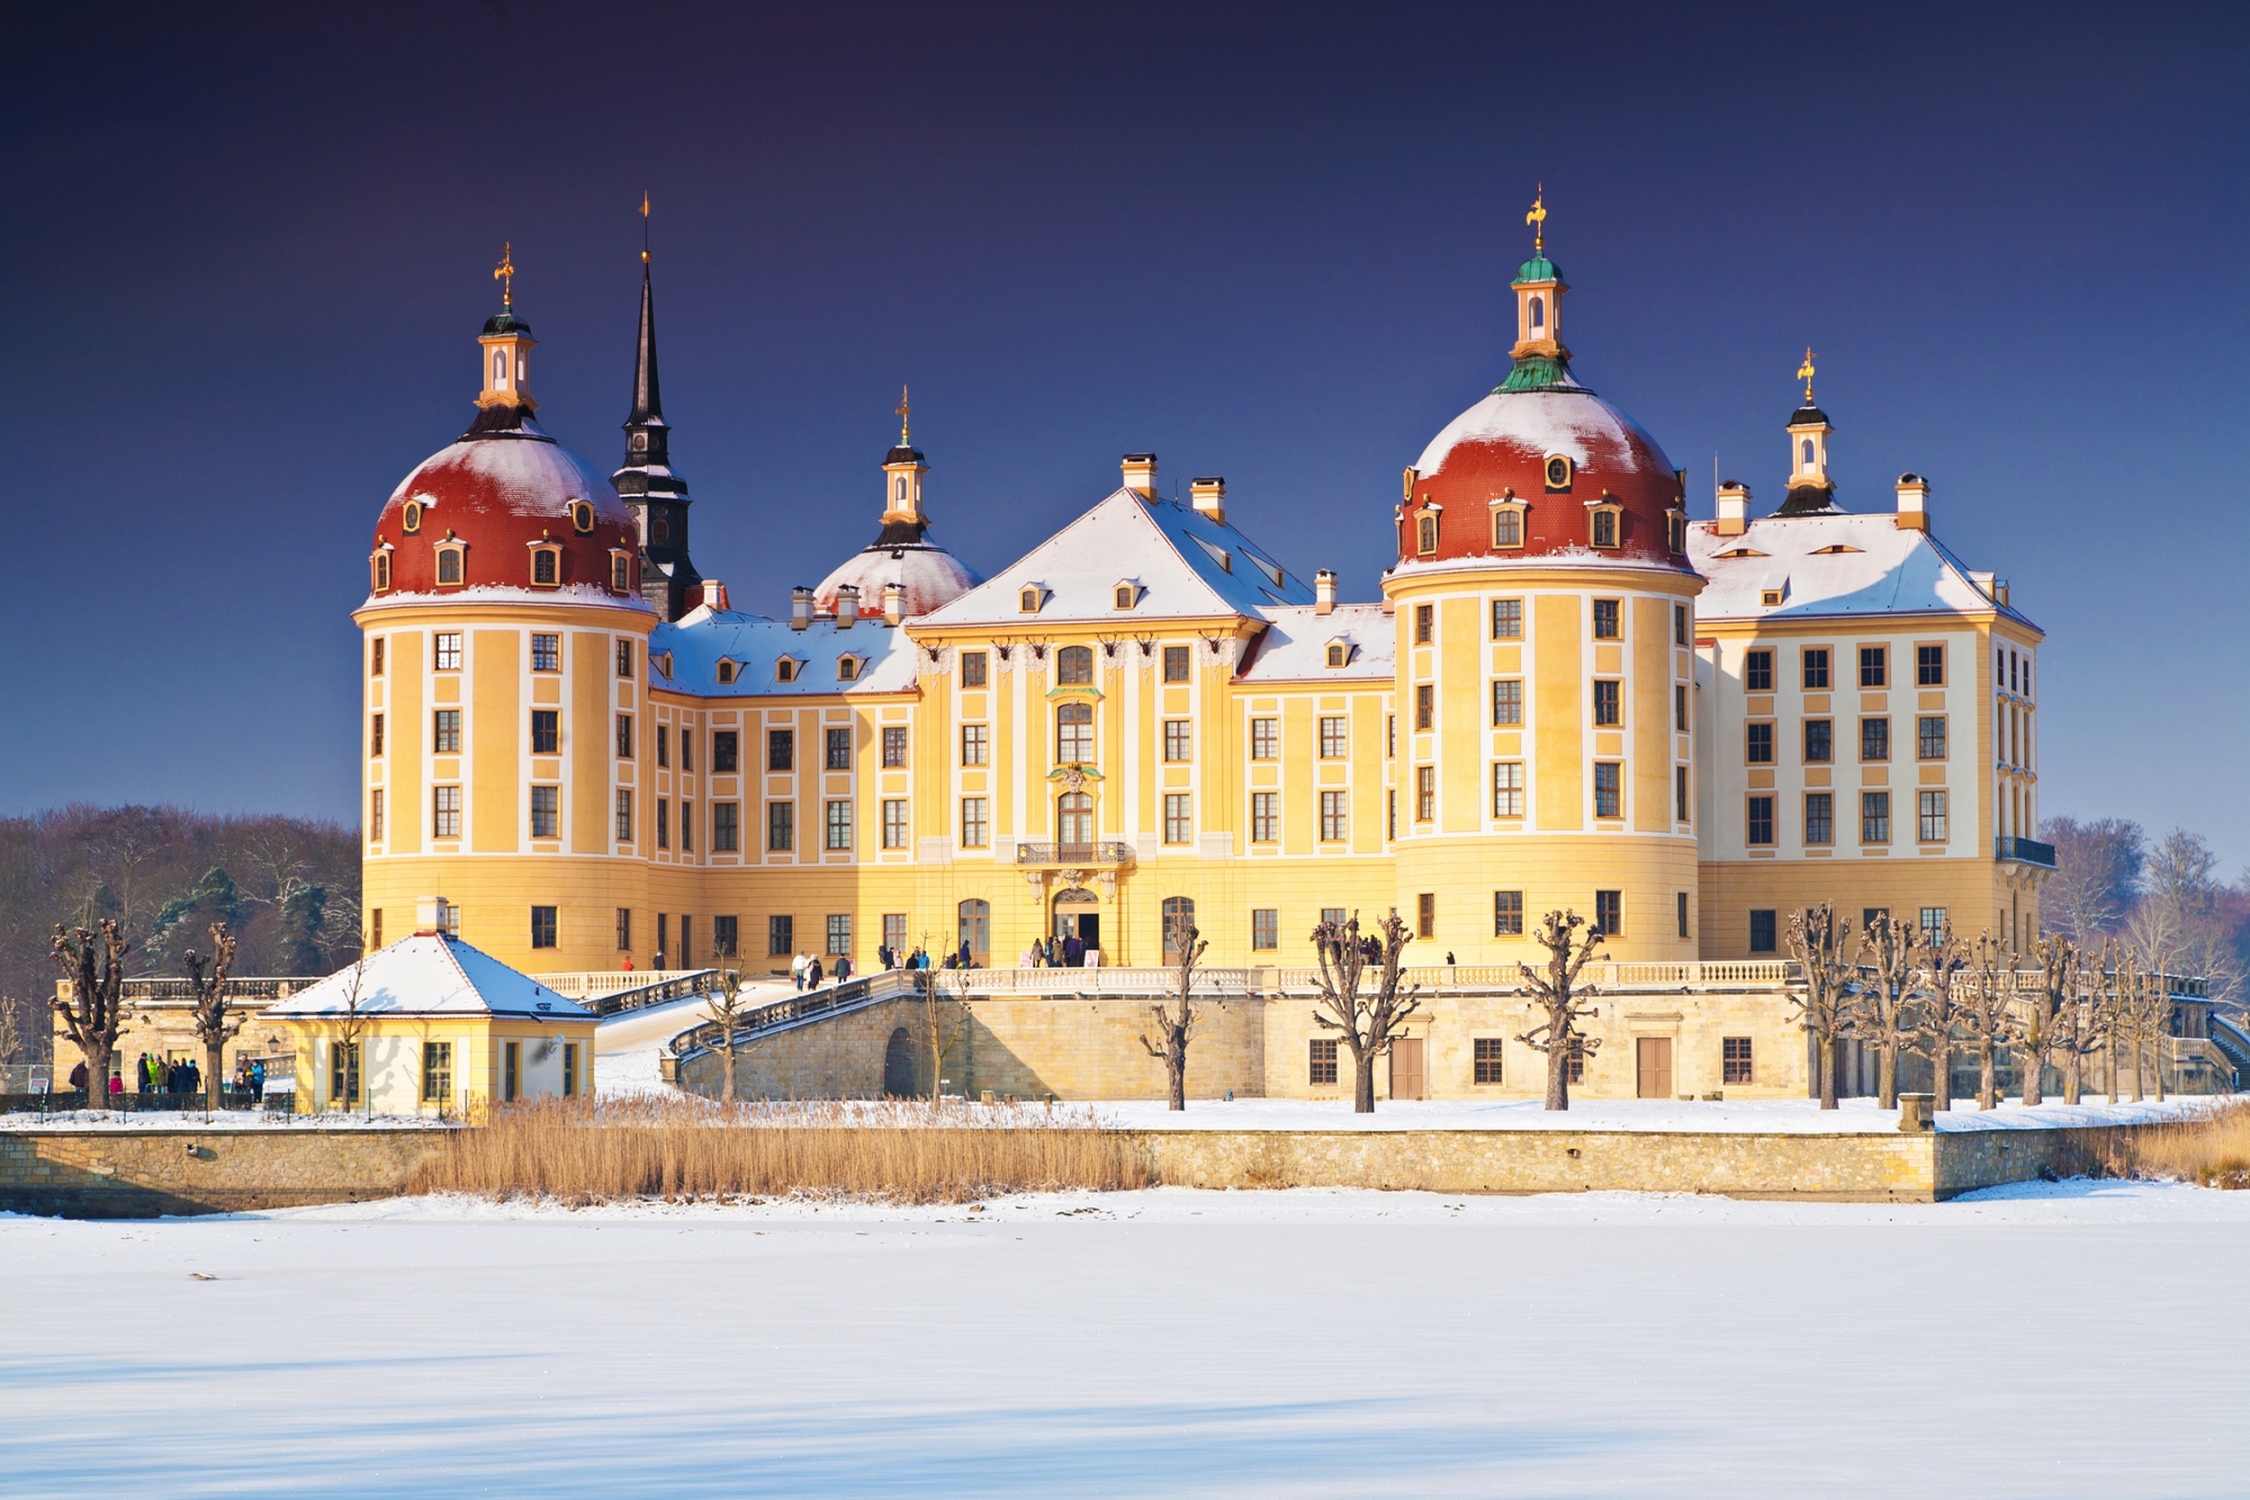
1128, 593
1339, 652
382, 568
847, 668
546, 565
1507, 522
662, 661
1560, 472
1425, 533
1604, 521
785, 669
726, 672
450, 560
581, 517
620, 570
411, 517
1675, 529
1030, 599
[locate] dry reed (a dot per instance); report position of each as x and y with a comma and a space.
682, 1147
2211, 1149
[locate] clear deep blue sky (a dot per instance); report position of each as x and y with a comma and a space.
246, 254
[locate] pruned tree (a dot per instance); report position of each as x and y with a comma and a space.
1985, 1002
1889, 987
2152, 1023
2075, 1028
1822, 944
216, 1022
724, 1006
1558, 990
2113, 1004
1942, 957
1174, 1028
1367, 1024
2049, 1025
94, 1012
942, 1024
351, 1025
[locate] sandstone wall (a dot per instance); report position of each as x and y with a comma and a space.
143, 1173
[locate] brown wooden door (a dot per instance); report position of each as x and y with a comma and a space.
1655, 1059
1406, 1068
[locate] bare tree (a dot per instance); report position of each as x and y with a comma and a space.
2097, 870
1821, 942
2044, 1031
943, 1022
94, 1014
2152, 1021
1559, 991
351, 1025
1942, 958
724, 1006
2075, 1025
2113, 1004
1985, 1004
13, 1013
215, 1020
1889, 986
1367, 1024
1174, 1030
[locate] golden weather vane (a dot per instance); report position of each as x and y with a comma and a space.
505, 274
1537, 219
1805, 373
902, 415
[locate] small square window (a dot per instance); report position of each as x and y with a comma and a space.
1735, 1062
1176, 662
894, 747
1815, 664
1507, 619
543, 927
1507, 914
1762, 939
1488, 1061
1757, 672
1608, 625
1322, 1068
1265, 928
973, 669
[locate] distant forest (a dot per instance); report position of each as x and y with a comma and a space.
287, 887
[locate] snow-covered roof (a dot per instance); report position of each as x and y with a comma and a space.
1186, 564
432, 974
931, 576
1578, 424
1879, 567
699, 639
508, 593
1294, 647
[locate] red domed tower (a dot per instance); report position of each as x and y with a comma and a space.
1543, 601
505, 638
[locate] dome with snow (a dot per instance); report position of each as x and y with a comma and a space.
902, 552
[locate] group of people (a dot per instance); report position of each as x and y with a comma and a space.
807, 972
180, 1075
961, 958
1064, 952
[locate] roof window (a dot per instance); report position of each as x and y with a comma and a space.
726, 672
1031, 599
581, 517
411, 517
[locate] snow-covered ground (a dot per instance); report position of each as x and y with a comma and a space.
626, 1047
1734, 1116
2067, 1339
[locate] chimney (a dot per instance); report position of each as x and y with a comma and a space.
1913, 503
800, 607
714, 593
1210, 497
434, 914
1324, 592
1734, 508
1140, 474
894, 603
847, 605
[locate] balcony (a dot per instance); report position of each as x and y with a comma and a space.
2024, 852
1095, 856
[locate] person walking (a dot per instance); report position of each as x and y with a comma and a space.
1074, 952
812, 974
797, 970
843, 967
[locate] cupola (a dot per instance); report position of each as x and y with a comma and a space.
506, 345
1542, 360
1811, 491
903, 468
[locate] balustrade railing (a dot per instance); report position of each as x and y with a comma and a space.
1092, 855
886, 984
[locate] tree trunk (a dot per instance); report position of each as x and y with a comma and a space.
1363, 1082
2139, 1090
212, 1081
1988, 1084
2034, 1085
97, 1076
729, 1051
1558, 1072
2073, 1077
1886, 1073
1175, 1063
1941, 1086
2156, 1058
1827, 1072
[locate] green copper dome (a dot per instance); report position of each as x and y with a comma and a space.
1538, 268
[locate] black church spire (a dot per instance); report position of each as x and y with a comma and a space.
657, 497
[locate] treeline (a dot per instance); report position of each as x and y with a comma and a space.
287, 887
2166, 900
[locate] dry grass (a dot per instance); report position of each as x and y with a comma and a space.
2212, 1149
692, 1148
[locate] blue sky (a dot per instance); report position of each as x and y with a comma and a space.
248, 253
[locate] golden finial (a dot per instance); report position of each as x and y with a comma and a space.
902, 414
644, 228
1805, 373
505, 274
1537, 219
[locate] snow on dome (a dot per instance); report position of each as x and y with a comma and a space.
1577, 424
931, 576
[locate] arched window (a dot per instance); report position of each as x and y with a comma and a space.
382, 571
1338, 654
1074, 665
1074, 820
1807, 451
1028, 600
976, 931
898, 489
659, 530
1425, 533
1074, 734
1179, 927
499, 368
1538, 312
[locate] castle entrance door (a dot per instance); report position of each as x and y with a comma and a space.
1078, 915
1406, 1068
1654, 1066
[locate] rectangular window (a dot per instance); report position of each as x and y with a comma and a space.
546, 653
1425, 705
840, 932
1322, 1070
1334, 743
1929, 666
687, 826
546, 812
1874, 817
1735, 1061
1679, 623
781, 749
973, 834
1507, 789
1875, 739
1390, 813
1679, 708
726, 751
542, 927
1265, 818
624, 736
1679, 794
1488, 1055
976, 744
1609, 913
1176, 663
1265, 739
725, 936
1820, 742
894, 934
546, 731
1680, 904
375, 659
1507, 619
1425, 793
1333, 823
1425, 623
437, 1072
1425, 914
570, 1070
1576, 1068
838, 822
1762, 930
445, 737
1757, 672
781, 827
1176, 739
1507, 914
663, 823
1507, 703
1265, 928
1607, 625
687, 747
1874, 666
894, 747
624, 929
375, 736
664, 745
972, 669
1609, 795
1929, 737
726, 828
1933, 919
448, 647
1609, 703
1390, 736
1933, 817
1761, 821
1074, 734
1757, 744
894, 822
687, 940
839, 749
624, 815
375, 816
1815, 663
781, 937
445, 812
624, 658
1820, 818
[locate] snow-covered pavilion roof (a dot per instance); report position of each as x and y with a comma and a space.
883, 658
1832, 564
432, 974
1295, 646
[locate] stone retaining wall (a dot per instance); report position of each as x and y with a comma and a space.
144, 1173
